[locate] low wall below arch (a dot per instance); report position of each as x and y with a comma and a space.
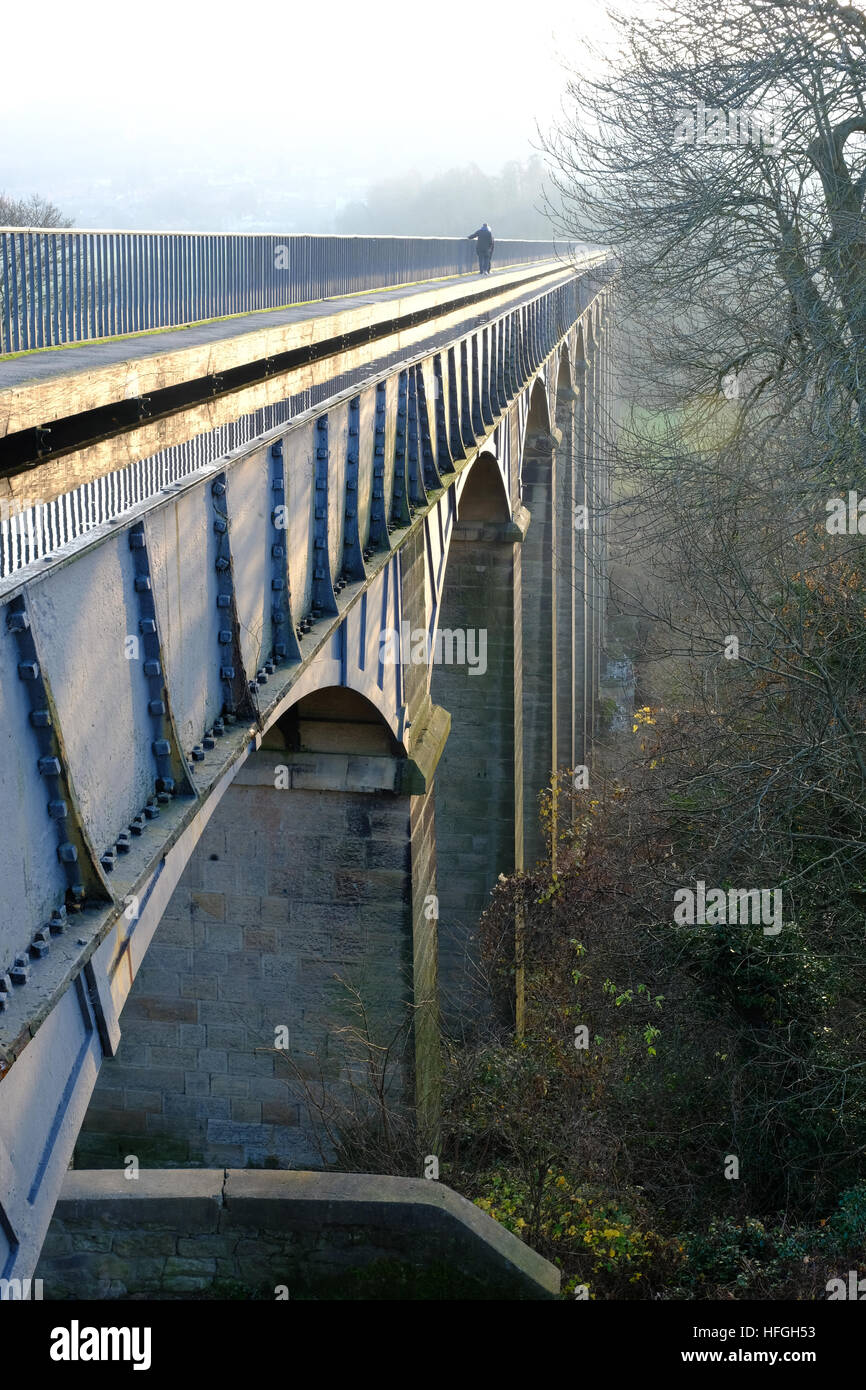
229, 1233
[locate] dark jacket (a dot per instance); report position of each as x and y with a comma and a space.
484, 237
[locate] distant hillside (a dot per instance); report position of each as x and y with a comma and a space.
453, 203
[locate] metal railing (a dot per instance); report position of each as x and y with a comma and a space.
32, 530
73, 286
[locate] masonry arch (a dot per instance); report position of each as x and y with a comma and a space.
478, 823
566, 560
582, 701
539, 619
303, 898
538, 420
483, 497
563, 376
594, 576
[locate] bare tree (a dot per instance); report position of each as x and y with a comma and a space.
722, 153
34, 211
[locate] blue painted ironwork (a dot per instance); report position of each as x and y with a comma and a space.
324, 600
478, 424
431, 477
400, 500
84, 881
523, 356
284, 643
444, 463
467, 433
487, 411
237, 701
417, 490
353, 563
378, 531
455, 434
501, 390
73, 286
170, 777
510, 365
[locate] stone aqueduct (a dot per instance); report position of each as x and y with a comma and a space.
261, 790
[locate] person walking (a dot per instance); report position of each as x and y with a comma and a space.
484, 244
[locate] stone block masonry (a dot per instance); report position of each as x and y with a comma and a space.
293, 897
477, 826
265, 1235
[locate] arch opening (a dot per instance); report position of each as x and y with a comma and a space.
478, 815
539, 616
563, 377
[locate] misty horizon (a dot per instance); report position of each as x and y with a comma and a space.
204, 133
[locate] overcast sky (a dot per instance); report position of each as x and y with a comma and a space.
354, 91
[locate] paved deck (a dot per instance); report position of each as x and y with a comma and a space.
47, 363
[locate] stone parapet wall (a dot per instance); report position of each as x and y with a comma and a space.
238, 1234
